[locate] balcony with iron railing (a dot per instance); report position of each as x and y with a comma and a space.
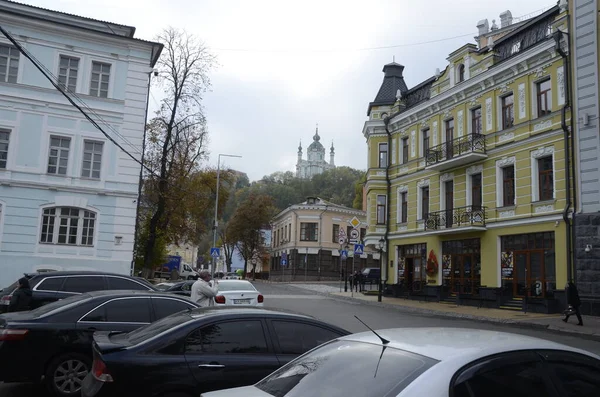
459, 151
466, 219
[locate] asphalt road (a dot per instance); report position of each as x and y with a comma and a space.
341, 312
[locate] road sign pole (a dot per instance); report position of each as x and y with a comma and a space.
354, 278
341, 273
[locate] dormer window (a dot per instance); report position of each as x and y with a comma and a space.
312, 200
461, 73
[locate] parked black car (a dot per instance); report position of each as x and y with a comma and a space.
201, 350
183, 288
51, 286
55, 340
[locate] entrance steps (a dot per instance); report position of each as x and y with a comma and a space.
515, 304
449, 300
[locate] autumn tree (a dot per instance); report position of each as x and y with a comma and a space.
246, 227
177, 135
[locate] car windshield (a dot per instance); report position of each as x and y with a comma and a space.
235, 286
368, 370
60, 305
158, 327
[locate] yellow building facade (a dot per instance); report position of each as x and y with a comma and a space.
467, 170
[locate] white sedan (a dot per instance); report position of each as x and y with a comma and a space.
238, 293
433, 362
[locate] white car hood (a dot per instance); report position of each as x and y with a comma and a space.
248, 391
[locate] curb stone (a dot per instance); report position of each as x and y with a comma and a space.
436, 313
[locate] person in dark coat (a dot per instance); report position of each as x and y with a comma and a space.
21, 298
574, 303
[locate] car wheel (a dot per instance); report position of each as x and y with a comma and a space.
65, 374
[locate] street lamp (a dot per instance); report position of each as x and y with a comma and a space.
216, 224
381, 245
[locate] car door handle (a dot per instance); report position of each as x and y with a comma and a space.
211, 366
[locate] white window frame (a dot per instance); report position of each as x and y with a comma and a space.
69, 157
19, 67
102, 157
420, 186
8, 146
500, 165
499, 102
474, 170
534, 92
56, 226
400, 191
387, 155
87, 76
443, 179
421, 146
401, 149
384, 209
535, 181
79, 68
470, 120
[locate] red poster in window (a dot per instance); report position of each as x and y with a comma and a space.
432, 264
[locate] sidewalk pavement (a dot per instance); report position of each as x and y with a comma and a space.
551, 322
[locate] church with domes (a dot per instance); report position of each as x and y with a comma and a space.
315, 163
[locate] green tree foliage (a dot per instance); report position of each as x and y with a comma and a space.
358, 192
252, 215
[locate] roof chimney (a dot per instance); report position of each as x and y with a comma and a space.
506, 19
483, 26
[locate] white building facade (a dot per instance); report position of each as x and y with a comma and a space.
315, 163
68, 195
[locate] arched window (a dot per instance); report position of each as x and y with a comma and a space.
68, 226
461, 73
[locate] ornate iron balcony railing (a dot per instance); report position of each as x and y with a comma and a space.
471, 215
472, 143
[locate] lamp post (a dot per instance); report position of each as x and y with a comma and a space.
381, 245
216, 224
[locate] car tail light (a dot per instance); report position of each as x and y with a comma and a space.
13, 334
219, 299
100, 372
5, 300
261, 298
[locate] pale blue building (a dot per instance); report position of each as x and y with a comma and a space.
68, 195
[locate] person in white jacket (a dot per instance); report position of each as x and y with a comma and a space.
204, 290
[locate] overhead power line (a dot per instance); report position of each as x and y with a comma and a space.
297, 50
56, 85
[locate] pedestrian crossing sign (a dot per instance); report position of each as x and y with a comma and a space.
359, 249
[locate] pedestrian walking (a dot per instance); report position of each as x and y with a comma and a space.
21, 297
574, 303
205, 289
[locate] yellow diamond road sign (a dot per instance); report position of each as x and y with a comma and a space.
355, 222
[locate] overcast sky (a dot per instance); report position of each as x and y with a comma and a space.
287, 65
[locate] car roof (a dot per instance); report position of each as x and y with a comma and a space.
79, 273
443, 343
234, 281
125, 293
219, 311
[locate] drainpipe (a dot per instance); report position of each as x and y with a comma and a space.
386, 121
568, 152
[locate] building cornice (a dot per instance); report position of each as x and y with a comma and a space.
479, 85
